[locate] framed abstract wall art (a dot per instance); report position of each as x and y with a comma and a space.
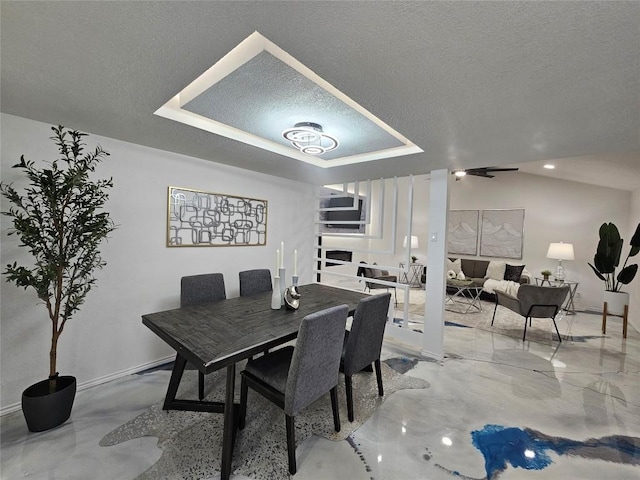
462, 232
205, 219
502, 233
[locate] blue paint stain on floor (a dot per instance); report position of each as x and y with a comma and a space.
527, 448
453, 324
501, 445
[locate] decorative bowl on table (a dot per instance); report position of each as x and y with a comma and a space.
459, 283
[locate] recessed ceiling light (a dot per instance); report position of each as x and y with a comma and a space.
548, 166
460, 173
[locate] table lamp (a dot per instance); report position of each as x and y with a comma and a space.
560, 251
414, 244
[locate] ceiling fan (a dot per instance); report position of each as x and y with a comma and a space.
481, 172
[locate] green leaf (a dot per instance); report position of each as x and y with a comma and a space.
627, 274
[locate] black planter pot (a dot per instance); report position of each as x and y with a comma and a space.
43, 410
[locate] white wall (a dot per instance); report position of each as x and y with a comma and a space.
142, 275
634, 287
555, 210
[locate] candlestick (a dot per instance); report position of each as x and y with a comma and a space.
281, 284
277, 260
276, 298
295, 262
282, 255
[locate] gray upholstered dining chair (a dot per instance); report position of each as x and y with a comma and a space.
198, 289
533, 301
255, 281
294, 378
363, 343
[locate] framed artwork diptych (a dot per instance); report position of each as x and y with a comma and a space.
502, 233
462, 232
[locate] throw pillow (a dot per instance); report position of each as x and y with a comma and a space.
513, 272
495, 270
456, 265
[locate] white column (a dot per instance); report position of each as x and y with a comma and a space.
435, 290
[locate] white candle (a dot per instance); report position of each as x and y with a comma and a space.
295, 262
277, 260
282, 255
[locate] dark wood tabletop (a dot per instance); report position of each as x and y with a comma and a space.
214, 335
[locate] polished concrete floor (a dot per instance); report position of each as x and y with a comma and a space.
497, 407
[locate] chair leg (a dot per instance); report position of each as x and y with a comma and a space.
604, 318
334, 408
525, 327
244, 388
379, 377
200, 385
349, 389
494, 313
555, 325
291, 443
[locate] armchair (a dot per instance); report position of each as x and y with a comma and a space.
366, 271
533, 302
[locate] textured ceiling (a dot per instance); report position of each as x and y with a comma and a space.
471, 83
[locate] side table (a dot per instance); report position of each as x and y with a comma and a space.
569, 306
412, 277
466, 295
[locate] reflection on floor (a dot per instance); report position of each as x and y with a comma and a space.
497, 407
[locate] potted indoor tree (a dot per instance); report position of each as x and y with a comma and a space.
607, 260
59, 219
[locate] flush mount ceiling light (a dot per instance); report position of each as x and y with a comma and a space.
548, 166
459, 173
309, 138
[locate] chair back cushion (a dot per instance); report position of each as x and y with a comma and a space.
316, 359
198, 289
364, 342
253, 282
541, 302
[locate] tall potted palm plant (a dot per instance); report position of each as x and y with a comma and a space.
59, 219
607, 260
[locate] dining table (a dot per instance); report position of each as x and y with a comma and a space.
220, 334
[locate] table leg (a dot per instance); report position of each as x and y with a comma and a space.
228, 434
174, 382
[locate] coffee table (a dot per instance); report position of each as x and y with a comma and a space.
466, 296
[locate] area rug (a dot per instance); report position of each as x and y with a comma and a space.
191, 442
508, 323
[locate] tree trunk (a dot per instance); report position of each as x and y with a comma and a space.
53, 355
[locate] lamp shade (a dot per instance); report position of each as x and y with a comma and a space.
560, 251
414, 242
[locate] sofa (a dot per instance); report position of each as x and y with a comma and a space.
489, 274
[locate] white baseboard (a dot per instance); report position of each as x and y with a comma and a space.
101, 380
